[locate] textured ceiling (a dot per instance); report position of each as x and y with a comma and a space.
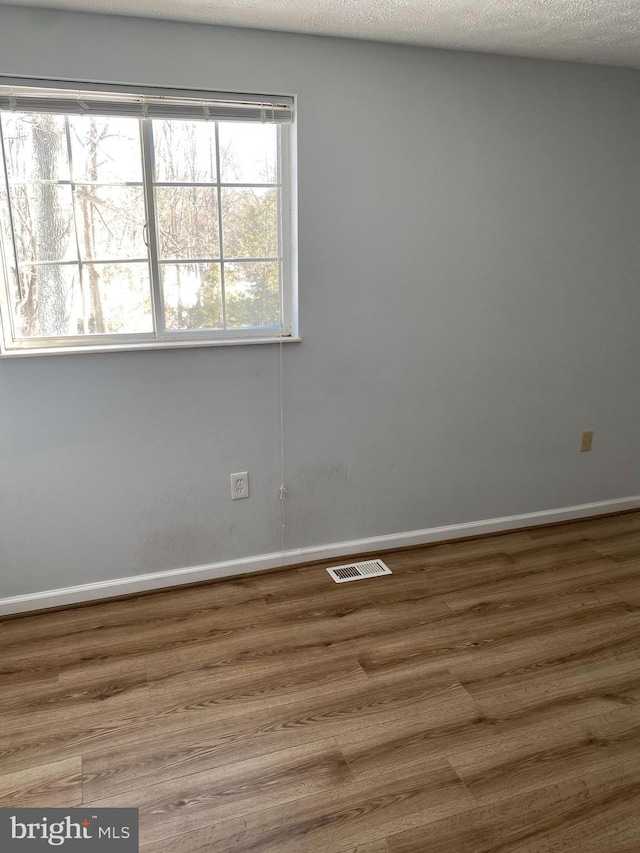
584, 30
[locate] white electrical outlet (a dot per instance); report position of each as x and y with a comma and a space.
239, 486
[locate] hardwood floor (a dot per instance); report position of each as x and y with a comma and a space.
485, 698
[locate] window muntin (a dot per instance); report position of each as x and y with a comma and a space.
120, 229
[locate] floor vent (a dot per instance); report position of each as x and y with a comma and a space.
359, 571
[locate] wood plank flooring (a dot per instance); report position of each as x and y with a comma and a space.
485, 698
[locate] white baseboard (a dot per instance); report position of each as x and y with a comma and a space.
228, 568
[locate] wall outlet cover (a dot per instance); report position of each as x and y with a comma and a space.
239, 485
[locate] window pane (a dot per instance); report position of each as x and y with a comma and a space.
185, 151
43, 222
51, 301
115, 298
250, 223
187, 222
5, 225
252, 294
110, 222
14, 289
105, 149
35, 147
192, 296
119, 298
15, 295
248, 153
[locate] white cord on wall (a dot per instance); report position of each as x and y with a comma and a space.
283, 489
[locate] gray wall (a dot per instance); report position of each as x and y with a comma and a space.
469, 260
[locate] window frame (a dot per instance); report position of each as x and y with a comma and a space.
160, 337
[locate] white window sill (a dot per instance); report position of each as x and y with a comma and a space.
145, 345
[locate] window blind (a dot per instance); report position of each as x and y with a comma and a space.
31, 96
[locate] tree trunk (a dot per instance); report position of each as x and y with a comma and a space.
98, 325
53, 300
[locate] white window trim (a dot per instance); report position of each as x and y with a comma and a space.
12, 347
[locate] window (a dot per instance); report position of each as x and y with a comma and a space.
142, 218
